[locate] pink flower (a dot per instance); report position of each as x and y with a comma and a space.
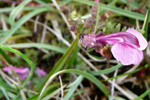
40, 72
21, 71
127, 47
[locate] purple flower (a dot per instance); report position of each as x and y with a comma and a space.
127, 47
21, 71
40, 72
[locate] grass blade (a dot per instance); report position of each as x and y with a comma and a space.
90, 77
126, 13
9, 9
38, 45
129, 73
6, 86
106, 71
63, 60
6, 56
131, 4
73, 88
143, 95
4, 92
48, 97
145, 26
42, 3
17, 10
47, 91
21, 22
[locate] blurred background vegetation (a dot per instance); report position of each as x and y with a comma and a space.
44, 34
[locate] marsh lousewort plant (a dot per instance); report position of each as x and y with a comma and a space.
22, 72
127, 46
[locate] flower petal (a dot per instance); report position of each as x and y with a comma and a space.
142, 41
40, 72
118, 37
21, 71
126, 54
138, 56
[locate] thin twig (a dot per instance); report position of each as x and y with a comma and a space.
81, 96
31, 91
8, 79
55, 33
62, 92
55, 26
112, 86
95, 97
22, 95
64, 17
82, 87
35, 24
4, 25
93, 58
120, 80
137, 24
147, 87
44, 32
110, 61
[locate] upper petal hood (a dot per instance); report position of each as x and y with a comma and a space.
142, 41
119, 37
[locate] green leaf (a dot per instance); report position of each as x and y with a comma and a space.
51, 88
63, 60
126, 13
42, 3
6, 56
145, 25
117, 28
21, 22
79, 92
38, 45
8, 9
34, 97
90, 77
6, 86
129, 73
17, 10
74, 86
131, 4
47, 91
143, 95
4, 92
11, 95
48, 97
106, 71
72, 58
